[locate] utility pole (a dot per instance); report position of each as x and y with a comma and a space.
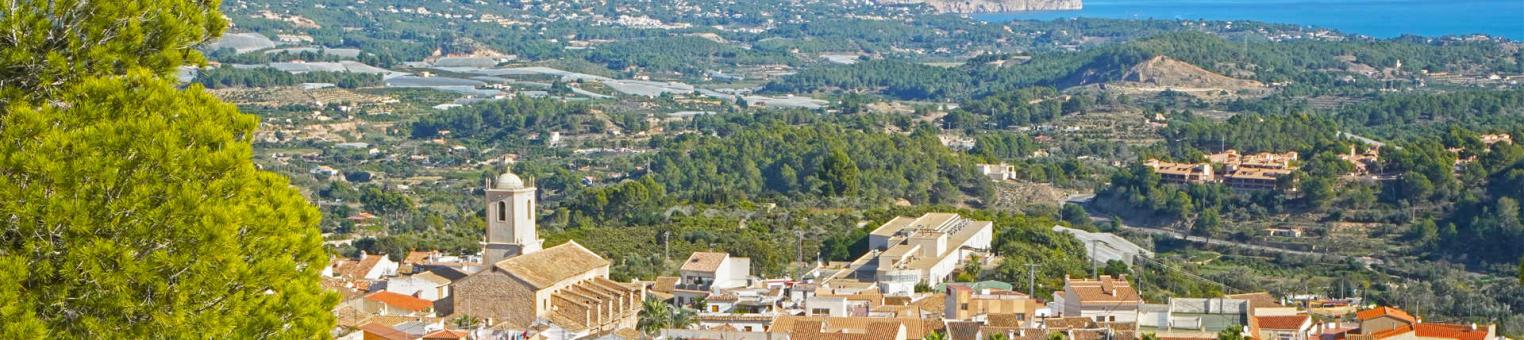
1094, 271
1032, 280
666, 243
800, 257
1137, 273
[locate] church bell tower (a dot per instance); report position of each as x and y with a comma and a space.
510, 219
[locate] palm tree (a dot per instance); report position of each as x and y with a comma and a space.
682, 318
466, 322
997, 336
654, 316
935, 336
1232, 333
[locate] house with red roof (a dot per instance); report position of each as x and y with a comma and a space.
387, 303
1282, 327
1383, 323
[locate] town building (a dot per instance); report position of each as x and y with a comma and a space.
1383, 323
1108, 299
1193, 317
1363, 161
392, 304
963, 302
1183, 173
855, 327
706, 273
1490, 139
1282, 327
998, 172
425, 285
566, 285
359, 274
1261, 171
907, 251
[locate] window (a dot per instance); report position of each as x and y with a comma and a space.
502, 211
1021, 316
747, 328
714, 308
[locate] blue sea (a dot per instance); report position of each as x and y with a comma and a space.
1377, 18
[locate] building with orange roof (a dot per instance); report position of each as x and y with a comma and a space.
392, 304
425, 285
1107, 299
709, 272
855, 327
1261, 171
359, 273
417, 257
524, 285
963, 302
1382, 323
1183, 173
379, 331
1282, 327
446, 334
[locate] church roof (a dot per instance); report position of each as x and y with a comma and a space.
552, 265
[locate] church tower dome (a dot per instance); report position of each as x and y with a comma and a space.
511, 229
508, 180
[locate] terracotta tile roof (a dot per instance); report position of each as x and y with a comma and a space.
431, 277
1070, 323
1400, 330
338, 285
1385, 311
356, 270
417, 257
732, 317
963, 330
446, 334
664, 284
704, 262
1003, 320
722, 298
1450, 331
1087, 334
552, 265
915, 328
885, 330
383, 331
1283, 322
400, 301
1107, 290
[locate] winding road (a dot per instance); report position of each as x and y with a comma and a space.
1084, 200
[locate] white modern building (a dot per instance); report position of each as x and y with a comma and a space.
706, 273
906, 251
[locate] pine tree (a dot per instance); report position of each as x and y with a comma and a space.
53, 43
133, 208
137, 211
839, 173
